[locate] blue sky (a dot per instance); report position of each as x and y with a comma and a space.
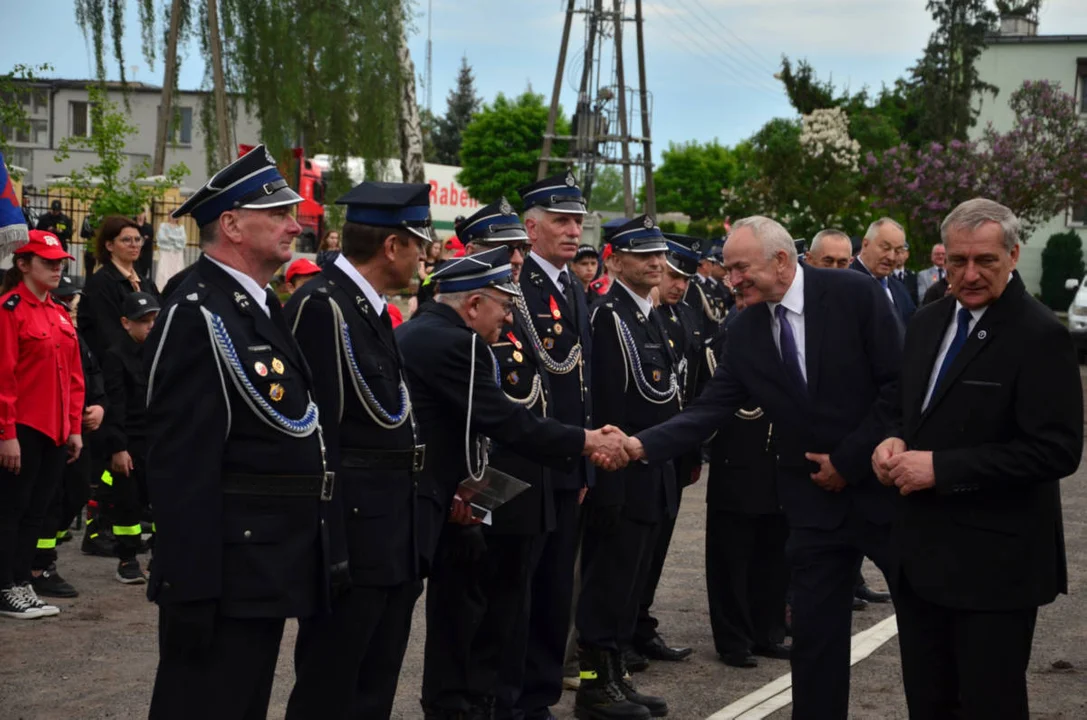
709, 62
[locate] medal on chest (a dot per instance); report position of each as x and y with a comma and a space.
556, 314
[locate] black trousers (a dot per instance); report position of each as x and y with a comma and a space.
823, 565
232, 680
347, 664
68, 499
963, 664
746, 579
129, 502
645, 627
551, 595
25, 500
614, 569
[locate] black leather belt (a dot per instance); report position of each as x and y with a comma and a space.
319, 486
410, 460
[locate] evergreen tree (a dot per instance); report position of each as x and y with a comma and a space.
462, 104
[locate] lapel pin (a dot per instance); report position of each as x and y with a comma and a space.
260, 368
513, 378
517, 357
277, 366
276, 392
982, 334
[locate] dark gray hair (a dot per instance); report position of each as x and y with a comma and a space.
875, 226
972, 214
817, 241
773, 237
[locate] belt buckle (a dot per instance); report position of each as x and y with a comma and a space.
418, 458
328, 481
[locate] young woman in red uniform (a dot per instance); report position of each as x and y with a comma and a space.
41, 409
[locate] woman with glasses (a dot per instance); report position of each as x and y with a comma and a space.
117, 245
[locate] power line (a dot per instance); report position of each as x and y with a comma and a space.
743, 44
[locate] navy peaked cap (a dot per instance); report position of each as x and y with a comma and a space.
495, 223
558, 193
684, 252
393, 205
251, 182
473, 272
640, 235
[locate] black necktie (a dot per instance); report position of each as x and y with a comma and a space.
275, 311
386, 321
567, 292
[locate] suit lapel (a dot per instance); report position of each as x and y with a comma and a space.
352, 295
814, 328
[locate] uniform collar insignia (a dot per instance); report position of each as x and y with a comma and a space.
242, 299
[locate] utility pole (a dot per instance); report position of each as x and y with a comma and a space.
429, 55
620, 77
219, 85
647, 155
549, 133
169, 80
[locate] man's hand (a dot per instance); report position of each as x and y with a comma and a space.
912, 471
121, 463
460, 513
10, 456
827, 477
75, 447
92, 417
634, 449
605, 447
881, 458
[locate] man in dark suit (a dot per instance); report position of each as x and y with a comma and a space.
906, 276
555, 314
348, 662
819, 352
881, 244
236, 465
991, 418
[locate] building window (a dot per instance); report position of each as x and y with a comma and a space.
81, 119
181, 126
1083, 94
39, 132
41, 101
1079, 215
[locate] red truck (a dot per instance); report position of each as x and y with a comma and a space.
309, 183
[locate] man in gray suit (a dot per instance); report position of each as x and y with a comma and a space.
930, 276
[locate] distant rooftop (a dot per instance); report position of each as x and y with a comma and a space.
138, 87
998, 39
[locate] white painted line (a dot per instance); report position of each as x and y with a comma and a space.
778, 693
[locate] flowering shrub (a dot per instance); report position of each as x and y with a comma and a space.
825, 132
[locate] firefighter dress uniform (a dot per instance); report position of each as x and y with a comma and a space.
236, 474
348, 663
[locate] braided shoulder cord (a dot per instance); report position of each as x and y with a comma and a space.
382, 417
634, 362
552, 366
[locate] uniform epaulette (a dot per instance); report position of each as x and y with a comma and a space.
197, 295
12, 302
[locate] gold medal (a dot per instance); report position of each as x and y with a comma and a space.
557, 328
548, 343
275, 392
656, 376
277, 366
513, 378
517, 356
261, 368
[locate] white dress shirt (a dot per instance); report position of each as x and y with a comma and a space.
886, 289
251, 286
551, 271
794, 305
945, 345
376, 301
644, 304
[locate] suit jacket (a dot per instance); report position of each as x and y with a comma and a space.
684, 330
743, 469
256, 554
926, 278
909, 279
904, 307
647, 491
437, 347
1005, 424
373, 508
853, 355
573, 402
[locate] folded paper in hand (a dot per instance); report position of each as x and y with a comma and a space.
490, 492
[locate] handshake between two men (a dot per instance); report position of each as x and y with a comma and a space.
611, 449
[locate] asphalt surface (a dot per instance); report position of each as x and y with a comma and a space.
97, 659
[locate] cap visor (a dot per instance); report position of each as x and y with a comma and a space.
678, 267
144, 311
281, 197
648, 248
423, 233
509, 288
570, 208
56, 253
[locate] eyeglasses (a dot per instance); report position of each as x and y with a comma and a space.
129, 240
508, 306
522, 247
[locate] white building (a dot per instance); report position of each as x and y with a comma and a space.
60, 108
1015, 55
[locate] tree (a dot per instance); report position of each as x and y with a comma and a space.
410, 132
500, 148
13, 94
462, 103
101, 184
428, 125
691, 177
608, 191
91, 16
945, 80
1062, 259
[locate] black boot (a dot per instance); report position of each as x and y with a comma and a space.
656, 705
600, 696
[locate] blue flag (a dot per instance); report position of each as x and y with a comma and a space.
13, 230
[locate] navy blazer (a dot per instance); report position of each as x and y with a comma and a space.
853, 351
904, 306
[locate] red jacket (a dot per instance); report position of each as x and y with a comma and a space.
41, 376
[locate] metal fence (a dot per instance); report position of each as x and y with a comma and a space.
37, 203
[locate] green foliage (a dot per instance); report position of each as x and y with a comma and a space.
708, 228
691, 177
91, 17
667, 226
427, 127
13, 106
101, 184
461, 104
501, 146
607, 193
1062, 259
1019, 8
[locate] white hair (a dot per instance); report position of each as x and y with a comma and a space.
873, 229
454, 299
817, 241
769, 232
972, 214
536, 212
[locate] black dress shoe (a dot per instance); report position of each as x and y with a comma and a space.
655, 649
859, 604
873, 596
777, 651
740, 659
635, 661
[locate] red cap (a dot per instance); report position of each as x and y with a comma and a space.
45, 245
607, 251
454, 243
301, 266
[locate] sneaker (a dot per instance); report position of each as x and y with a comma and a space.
14, 605
99, 546
130, 573
32, 598
51, 584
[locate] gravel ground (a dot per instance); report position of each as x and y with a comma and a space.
97, 659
